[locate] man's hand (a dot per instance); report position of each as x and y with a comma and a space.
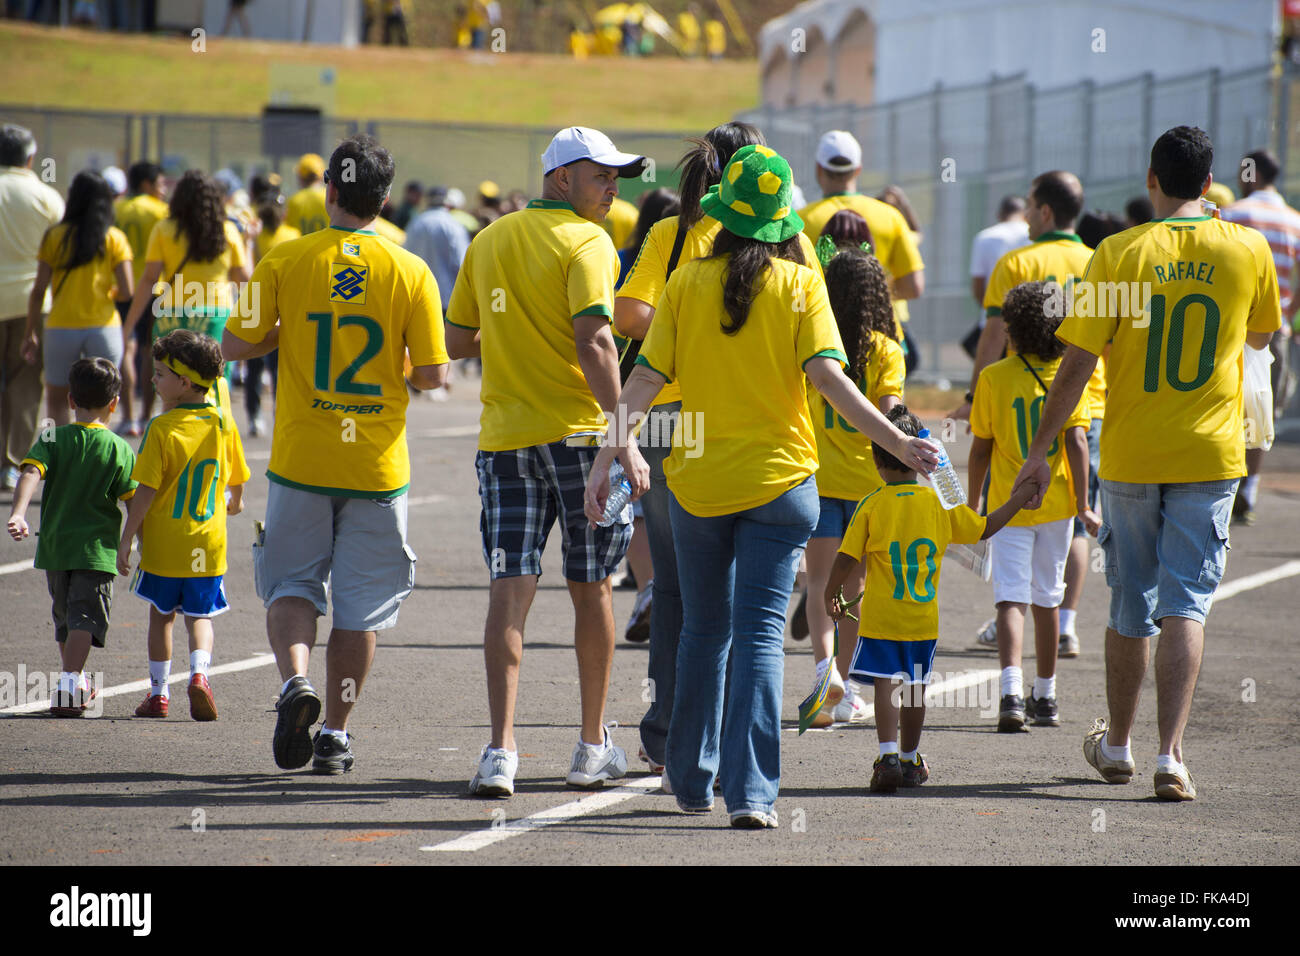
1035, 471
18, 528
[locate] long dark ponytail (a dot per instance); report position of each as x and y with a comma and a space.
88, 215
746, 271
702, 165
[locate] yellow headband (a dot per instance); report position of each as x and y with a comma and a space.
184, 371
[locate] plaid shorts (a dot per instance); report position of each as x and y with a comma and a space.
523, 491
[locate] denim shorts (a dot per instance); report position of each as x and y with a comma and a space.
1166, 548
836, 513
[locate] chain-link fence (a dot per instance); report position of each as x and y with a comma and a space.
459, 155
957, 151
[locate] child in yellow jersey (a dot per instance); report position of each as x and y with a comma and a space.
190, 456
858, 288
1029, 556
900, 532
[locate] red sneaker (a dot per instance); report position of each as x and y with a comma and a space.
202, 704
154, 705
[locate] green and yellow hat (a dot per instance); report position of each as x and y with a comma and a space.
753, 199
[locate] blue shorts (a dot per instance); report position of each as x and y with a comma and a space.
835, 516
1094, 483
1166, 547
193, 597
908, 661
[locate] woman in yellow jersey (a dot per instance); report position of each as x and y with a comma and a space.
194, 257
87, 260
739, 331
858, 289
669, 243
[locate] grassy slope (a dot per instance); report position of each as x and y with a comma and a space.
75, 69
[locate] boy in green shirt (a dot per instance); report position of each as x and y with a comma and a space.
87, 471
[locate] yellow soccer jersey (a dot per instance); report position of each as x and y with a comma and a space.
206, 285
136, 217
892, 242
189, 456
525, 278
620, 223
350, 305
901, 531
746, 391
1059, 257
1174, 378
84, 297
1008, 404
846, 468
305, 210
266, 241
645, 280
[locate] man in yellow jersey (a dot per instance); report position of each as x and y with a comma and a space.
839, 161
136, 216
534, 299
344, 307
1173, 449
1055, 254
306, 211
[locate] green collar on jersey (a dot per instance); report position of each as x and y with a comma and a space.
551, 204
356, 232
1058, 234
1184, 219
912, 482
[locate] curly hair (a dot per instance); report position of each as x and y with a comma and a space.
198, 207
905, 422
859, 295
1032, 320
200, 352
746, 272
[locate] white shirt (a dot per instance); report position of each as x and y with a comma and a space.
28, 207
993, 243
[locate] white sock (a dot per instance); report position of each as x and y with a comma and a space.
822, 664
342, 735
1067, 620
1165, 763
1045, 687
83, 680
1249, 488
159, 671
199, 661
908, 756
1114, 753
1013, 682
68, 681
889, 747
852, 689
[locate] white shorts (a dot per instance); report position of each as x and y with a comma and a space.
1029, 563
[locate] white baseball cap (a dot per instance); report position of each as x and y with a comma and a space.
841, 145
579, 142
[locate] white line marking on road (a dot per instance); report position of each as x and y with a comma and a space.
17, 566
457, 431
969, 679
448, 748
261, 659
477, 840
257, 454
425, 500
1251, 581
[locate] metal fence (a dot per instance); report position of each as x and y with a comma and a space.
460, 155
957, 151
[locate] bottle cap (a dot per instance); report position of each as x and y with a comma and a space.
925, 433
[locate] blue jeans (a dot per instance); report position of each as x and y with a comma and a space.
666, 605
736, 574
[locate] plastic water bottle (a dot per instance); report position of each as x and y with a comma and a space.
944, 480
620, 490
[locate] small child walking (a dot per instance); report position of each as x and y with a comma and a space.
189, 458
87, 471
901, 530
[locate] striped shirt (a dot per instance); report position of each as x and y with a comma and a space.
1266, 211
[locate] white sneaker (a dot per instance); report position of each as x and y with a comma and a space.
495, 776
592, 766
987, 638
1068, 646
850, 710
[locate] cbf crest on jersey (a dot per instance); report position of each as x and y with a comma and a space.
348, 283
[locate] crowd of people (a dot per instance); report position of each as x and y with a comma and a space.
727, 307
